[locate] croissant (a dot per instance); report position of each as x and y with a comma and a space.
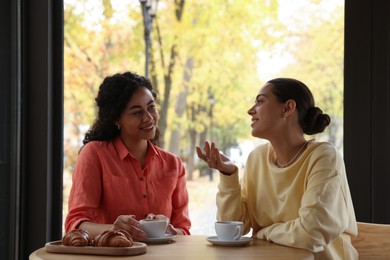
113, 238
77, 237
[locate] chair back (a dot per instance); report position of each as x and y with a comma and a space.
373, 241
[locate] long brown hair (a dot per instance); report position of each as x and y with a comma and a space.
114, 93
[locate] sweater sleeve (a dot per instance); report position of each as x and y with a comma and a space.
231, 200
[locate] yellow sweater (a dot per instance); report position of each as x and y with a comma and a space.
305, 205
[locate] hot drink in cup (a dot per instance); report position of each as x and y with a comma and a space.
229, 230
154, 228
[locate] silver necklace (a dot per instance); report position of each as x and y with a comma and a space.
287, 164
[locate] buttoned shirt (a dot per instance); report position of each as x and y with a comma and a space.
108, 181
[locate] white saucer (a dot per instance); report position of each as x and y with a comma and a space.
241, 242
160, 240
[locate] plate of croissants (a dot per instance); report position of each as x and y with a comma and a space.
110, 242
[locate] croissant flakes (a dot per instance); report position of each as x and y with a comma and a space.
109, 238
113, 238
77, 237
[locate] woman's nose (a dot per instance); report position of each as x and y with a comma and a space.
147, 116
250, 111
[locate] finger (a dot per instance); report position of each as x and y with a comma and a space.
217, 155
120, 225
137, 234
200, 154
171, 230
214, 154
221, 159
162, 217
150, 216
132, 221
206, 148
216, 160
124, 222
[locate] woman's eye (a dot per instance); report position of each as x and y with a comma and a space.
137, 113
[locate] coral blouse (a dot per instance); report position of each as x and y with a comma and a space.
108, 181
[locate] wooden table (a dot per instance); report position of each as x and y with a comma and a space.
195, 247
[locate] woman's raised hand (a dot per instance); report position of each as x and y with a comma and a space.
215, 159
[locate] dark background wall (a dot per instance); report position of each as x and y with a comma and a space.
31, 102
367, 107
31, 115
5, 123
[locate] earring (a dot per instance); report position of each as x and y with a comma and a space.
119, 127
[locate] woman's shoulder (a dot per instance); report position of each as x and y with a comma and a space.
95, 146
262, 148
321, 147
98, 144
324, 152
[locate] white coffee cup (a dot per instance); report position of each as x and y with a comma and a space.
229, 230
154, 228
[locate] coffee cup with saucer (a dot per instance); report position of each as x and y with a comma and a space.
155, 230
229, 233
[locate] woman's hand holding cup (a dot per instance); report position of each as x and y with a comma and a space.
161, 222
131, 225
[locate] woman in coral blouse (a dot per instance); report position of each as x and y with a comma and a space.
121, 175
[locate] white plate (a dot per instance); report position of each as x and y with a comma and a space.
241, 242
160, 240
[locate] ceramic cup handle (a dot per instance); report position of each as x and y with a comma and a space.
239, 233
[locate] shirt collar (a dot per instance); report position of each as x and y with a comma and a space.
123, 152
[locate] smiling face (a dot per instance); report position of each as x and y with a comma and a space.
266, 113
139, 119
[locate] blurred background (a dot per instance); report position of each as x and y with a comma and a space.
207, 60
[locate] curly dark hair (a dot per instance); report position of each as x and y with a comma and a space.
114, 93
311, 118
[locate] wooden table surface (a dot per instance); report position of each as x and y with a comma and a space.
194, 247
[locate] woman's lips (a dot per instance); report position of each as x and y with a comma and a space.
253, 121
148, 128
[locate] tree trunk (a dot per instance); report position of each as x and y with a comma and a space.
174, 144
168, 76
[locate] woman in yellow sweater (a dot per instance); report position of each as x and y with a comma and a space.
293, 192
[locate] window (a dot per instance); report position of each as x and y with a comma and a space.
211, 59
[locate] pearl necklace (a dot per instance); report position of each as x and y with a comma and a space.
287, 164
